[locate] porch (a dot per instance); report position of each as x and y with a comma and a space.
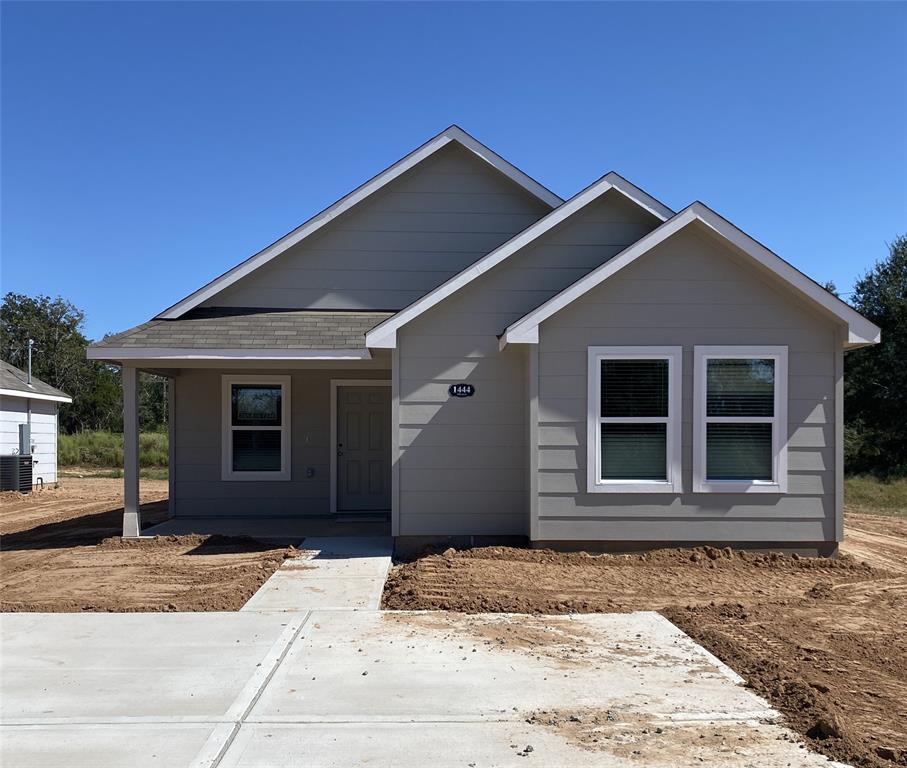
264, 441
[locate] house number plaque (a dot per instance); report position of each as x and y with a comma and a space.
461, 390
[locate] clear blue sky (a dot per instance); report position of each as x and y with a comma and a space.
146, 148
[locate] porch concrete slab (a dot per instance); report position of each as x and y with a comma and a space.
292, 529
439, 667
170, 667
503, 744
349, 546
152, 745
339, 573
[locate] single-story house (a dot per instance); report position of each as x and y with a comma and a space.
454, 346
34, 404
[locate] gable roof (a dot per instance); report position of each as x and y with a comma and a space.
249, 334
385, 335
452, 134
861, 332
14, 383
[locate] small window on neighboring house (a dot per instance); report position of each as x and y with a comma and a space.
740, 414
256, 429
633, 420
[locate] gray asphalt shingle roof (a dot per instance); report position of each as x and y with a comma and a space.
232, 328
17, 380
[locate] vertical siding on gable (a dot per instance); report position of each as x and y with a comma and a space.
396, 246
689, 291
463, 462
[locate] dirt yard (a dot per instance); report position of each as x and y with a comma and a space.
61, 551
824, 640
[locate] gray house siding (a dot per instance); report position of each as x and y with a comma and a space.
691, 290
463, 462
197, 486
394, 247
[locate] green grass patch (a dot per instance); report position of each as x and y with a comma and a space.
105, 449
870, 495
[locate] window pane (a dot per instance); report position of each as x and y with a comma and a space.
634, 387
740, 388
256, 406
739, 451
634, 451
256, 450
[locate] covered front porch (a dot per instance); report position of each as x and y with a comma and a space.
267, 442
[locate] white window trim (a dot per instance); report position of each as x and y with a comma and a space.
674, 482
227, 429
778, 483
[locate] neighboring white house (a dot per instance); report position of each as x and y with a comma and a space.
34, 403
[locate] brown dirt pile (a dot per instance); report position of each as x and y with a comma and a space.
508, 580
61, 552
632, 737
563, 643
825, 641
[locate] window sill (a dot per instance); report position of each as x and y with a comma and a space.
256, 477
631, 486
733, 486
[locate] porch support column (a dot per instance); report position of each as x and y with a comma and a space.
132, 524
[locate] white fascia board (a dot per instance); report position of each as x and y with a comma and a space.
454, 133
861, 331
176, 353
384, 335
34, 396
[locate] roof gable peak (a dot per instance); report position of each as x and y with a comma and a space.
453, 133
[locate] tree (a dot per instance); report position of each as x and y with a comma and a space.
875, 397
56, 326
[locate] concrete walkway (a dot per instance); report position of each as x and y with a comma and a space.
339, 573
310, 673
343, 688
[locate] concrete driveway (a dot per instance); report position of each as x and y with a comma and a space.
348, 687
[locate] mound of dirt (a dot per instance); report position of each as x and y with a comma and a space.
62, 552
510, 580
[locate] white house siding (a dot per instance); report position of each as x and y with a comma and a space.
43, 433
463, 462
395, 246
691, 290
198, 489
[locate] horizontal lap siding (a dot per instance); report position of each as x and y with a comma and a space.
659, 300
397, 245
198, 488
463, 464
13, 412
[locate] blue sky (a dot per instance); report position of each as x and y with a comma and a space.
146, 148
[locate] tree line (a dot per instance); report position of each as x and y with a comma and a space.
875, 390
56, 328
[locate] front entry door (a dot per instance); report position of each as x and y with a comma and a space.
363, 449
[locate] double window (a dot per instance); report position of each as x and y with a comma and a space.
256, 428
634, 419
739, 420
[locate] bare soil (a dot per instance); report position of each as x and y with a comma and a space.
61, 551
825, 641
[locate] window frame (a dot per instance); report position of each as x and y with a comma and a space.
227, 428
673, 431
780, 429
